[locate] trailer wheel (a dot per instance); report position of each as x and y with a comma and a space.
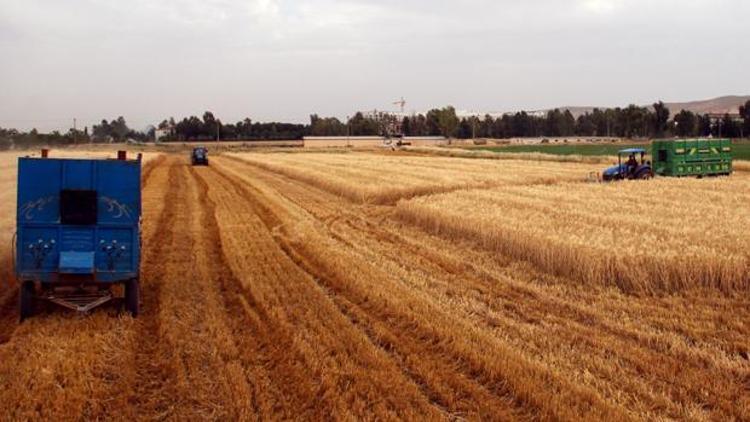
26, 296
132, 297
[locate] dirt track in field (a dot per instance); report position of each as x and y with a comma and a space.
266, 298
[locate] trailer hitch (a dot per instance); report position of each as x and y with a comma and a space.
79, 301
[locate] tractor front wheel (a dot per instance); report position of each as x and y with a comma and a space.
26, 300
132, 297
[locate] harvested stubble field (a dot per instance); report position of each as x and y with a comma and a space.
267, 296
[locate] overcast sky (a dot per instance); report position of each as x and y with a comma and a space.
283, 59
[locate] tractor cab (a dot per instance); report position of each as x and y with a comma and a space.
629, 166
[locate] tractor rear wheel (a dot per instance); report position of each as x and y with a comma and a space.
644, 175
132, 297
26, 296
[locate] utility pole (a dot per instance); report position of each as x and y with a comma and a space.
218, 131
75, 132
348, 131
719, 122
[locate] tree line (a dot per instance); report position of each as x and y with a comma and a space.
116, 130
210, 128
629, 122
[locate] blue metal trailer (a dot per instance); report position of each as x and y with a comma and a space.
78, 231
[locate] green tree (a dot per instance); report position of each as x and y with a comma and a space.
728, 127
210, 125
685, 123
328, 126
464, 129
660, 119
586, 125
553, 124
358, 125
558, 123
704, 125
567, 124
448, 121
485, 126
745, 116
432, 123
406, 126
101, 131
521, 125
120, 129
633, 121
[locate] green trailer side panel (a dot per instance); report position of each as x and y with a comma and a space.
692, 157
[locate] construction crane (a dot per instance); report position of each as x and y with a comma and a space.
393, 135
401, 103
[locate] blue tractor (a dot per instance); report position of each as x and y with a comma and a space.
78, 232
199, 156
632, 169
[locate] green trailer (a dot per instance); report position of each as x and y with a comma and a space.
692, 157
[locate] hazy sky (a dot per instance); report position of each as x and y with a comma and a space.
282, 60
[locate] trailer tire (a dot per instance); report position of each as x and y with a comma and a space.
132, 297
26, 300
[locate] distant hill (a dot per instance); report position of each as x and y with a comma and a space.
728, 104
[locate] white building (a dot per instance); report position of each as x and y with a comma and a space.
161, 133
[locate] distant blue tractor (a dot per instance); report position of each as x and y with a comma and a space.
199, 156
78, 232
632, 169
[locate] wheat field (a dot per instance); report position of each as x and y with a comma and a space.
385, 178
268, 295
741, 165
656, 236
526, 156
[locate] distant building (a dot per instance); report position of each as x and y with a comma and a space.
377, 114
161, 133
717, 117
